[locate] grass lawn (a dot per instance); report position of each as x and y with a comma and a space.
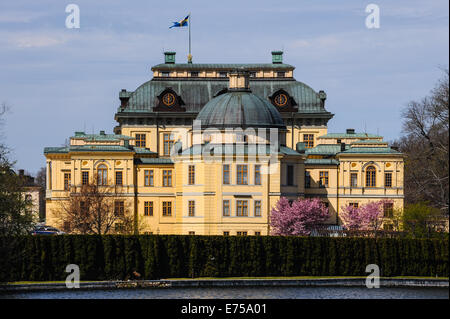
235, 278
307, 277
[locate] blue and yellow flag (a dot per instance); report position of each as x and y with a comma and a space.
182, 23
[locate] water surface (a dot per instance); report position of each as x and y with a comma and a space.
241, 293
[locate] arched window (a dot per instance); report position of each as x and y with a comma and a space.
371, 176
102, 175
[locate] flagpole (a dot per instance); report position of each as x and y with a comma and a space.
189, 25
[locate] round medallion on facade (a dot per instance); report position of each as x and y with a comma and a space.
169, 99
280, 100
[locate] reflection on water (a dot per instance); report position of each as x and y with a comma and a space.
243, 293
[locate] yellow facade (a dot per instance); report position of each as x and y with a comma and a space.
181, 193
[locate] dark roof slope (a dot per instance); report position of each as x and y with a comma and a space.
195, 93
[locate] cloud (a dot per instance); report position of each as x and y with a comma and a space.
19, 16
37, 41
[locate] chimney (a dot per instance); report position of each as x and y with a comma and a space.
102, 133
21, 172
277, 57
350, 131
239, 80
300, 147
124, 96
169, 57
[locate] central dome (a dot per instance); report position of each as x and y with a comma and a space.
240, 108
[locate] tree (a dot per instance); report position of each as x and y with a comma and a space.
426, 140
420, 220
16, 217
298, 218
365, 217
95, 209
41, 180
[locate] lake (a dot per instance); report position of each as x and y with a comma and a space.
241, 293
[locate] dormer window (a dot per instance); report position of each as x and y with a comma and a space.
281, 74
194, 74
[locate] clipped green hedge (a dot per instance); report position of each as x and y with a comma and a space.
112, 257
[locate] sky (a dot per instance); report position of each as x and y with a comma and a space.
57, 80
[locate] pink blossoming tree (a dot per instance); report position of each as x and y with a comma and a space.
299, 218
366, 217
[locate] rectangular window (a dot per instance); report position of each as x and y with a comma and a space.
194, 74
226, 208
290, 175
257, 208
167, 143
191, 179
252, 74
167, 208
308, 139
242, 175
281, 74
226, 233
353, 179
83, 207
241, 208
226, 174
191, 205
388, 210
119, 208
140, 140
307, 180
66, 226
167, 178
223, 74
354, 205
119, 180
148, 208
165, 74
241, 233
148, 177
85, 178
66, 181
191, 233
257, 233
323, 179
388, 179
257, 174
118, 227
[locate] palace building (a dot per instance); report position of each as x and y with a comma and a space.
208, 149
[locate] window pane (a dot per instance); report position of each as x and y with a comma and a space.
257, 208
226, 208
257, 174
226, 174
290, 175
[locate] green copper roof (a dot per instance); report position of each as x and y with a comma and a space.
353, 135
96, 148
325, 149
371, 150
221, 66
141, 150
155, 160
319, 161
237, 149
102, 137
195, 93
369, 142
239, 109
